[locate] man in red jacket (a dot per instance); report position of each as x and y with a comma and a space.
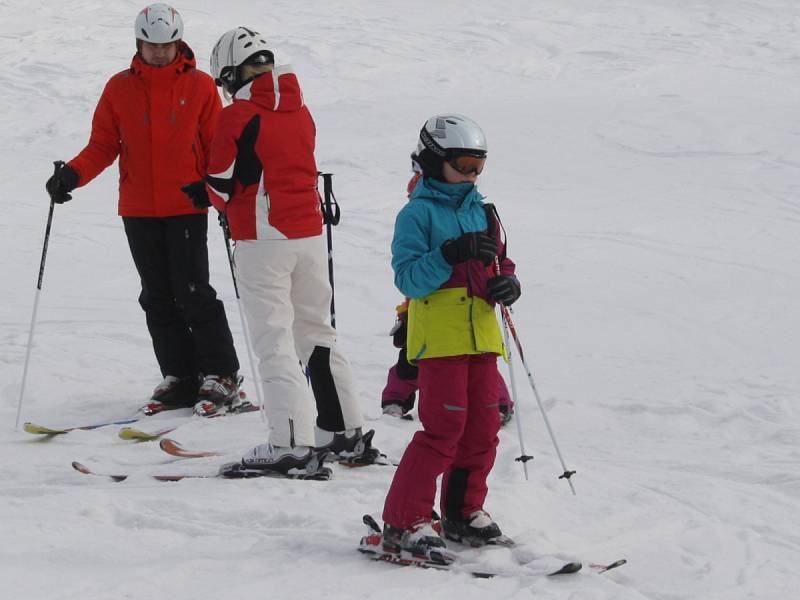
158, 117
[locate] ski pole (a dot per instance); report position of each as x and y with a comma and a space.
226, 233
58, 165
567, 474
492, 221
330, 215
523, 457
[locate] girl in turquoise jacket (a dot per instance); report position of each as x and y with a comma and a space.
448, 259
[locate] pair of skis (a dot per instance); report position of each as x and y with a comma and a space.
131, 433
175, 448
237, 471
234, 470
446, 560
227, 471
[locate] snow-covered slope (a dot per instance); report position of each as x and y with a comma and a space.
644, 158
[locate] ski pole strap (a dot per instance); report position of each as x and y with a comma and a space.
492, 222
491, 218
330, 207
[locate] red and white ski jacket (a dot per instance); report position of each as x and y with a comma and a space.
261, 170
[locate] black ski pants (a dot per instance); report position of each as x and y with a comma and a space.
186, 320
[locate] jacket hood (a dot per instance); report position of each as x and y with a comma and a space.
278, 90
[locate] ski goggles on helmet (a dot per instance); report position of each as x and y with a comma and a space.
467, 164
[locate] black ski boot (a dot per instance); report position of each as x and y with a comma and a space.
350, 447
477, 530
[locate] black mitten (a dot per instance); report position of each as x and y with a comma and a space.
61, 183
197, 194
504, 289
475, 244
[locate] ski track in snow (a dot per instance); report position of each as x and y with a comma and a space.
644, 159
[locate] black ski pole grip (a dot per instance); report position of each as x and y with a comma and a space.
331, 213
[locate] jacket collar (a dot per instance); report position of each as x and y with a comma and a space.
184, 61
457, 195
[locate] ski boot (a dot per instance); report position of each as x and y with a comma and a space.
217, 394
349, 447
300, 462
173, 392
421, 540
278, 458
399, 408
476, 530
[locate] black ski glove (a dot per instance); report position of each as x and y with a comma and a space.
475, 244
197, 194
504, 289
61, 183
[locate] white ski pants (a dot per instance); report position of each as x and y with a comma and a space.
286, 296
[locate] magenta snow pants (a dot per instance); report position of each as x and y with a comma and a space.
460, 418
399, 389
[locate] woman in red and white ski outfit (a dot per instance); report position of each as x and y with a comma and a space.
263, 176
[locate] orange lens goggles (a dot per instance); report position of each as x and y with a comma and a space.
467, 165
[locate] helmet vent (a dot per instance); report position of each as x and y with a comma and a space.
158, 24
235, 48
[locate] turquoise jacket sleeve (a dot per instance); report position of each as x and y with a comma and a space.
418, 268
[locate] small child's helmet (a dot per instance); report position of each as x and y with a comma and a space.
452, 138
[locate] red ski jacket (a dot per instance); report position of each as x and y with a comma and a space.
160, 122
262, 171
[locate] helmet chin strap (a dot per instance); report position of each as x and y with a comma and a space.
234, 84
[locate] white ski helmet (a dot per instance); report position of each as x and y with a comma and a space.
159, 24
235, 48
445, 138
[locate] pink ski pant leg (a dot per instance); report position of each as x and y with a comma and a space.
464, 486
458, 410
396, 388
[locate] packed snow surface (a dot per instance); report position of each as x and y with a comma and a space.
645, 159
